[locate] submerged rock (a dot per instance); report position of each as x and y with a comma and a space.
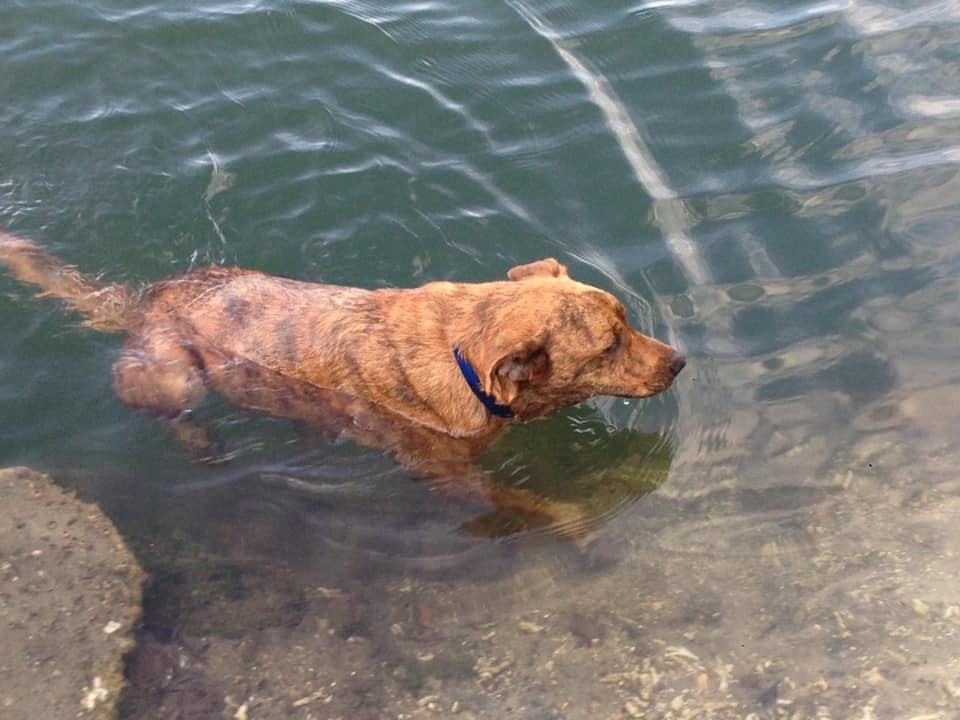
70, 594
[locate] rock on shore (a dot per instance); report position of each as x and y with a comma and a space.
70, 594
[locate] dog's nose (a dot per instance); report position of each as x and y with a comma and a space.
677, 362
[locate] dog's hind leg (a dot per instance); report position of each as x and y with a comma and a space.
159, 373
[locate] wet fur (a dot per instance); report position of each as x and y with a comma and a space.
375, 365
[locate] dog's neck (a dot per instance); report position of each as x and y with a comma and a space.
474, 383
423, 332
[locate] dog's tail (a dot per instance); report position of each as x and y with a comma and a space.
111, 308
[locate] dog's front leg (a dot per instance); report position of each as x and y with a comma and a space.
514, 510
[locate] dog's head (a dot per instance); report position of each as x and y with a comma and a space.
546, 342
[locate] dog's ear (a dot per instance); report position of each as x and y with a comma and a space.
548, 267
505, 366
505, 372
527, 364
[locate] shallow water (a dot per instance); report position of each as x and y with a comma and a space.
775, 191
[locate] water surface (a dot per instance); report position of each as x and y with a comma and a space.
773, 189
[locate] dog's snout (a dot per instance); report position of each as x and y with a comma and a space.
677, 362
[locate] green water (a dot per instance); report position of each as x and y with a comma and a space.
773, 189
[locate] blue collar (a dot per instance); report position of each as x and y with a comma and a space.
473, 380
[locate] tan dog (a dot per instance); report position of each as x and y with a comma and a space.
431, 373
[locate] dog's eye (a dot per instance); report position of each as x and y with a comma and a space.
614, 346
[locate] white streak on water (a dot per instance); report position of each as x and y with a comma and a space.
751, 110
364, 15
439, 98
669, 211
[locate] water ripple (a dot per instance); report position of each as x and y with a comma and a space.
746, 19
766, 187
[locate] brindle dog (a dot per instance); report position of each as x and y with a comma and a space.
431, 373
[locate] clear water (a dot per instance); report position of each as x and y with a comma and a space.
774, 189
